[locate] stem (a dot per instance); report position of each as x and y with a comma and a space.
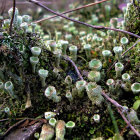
13, 15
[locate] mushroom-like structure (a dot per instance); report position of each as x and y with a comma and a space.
118, 51
7, 110
36, 51
95, 64
19, 20
47, 132
94, 93
80, 85
9, 87
73, 52
51, 94
60, 130
94, 76
49, 115
96, 118
34, 61
26, 18
70, 125
126, 77
135, 87
68, 37
10, 12
82, 33
106, 54
87, 48
33, 25
52, 45
64, 46
111, 84
24, 25
43, 74
113, 22
124, 41
57, 54
52, 122
119, 68
69, 96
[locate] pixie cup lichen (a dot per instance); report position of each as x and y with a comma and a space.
95, 64
96, 118
135, 87
73, 52
118, 52
36, 51
52, 122
87, 48
94, 76
119, 68
9, 87
80, 85
43, 75
111, 85
34, 61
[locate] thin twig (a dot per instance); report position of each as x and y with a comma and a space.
76, 69
123, 55
129, 124
72, 10
14, 7
83, 23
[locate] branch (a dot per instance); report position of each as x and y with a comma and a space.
88, 25
123, 55
76, 69
129, 124
14, 6
72, 10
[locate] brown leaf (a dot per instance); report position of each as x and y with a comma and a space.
25, 124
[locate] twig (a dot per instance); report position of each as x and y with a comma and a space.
123, 55
83, 23
76, 69
14, 6
129, 124
72, 10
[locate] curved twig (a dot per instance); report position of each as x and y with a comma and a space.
72, 10
83, 23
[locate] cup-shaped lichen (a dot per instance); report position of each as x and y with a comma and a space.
33, 25
69, 96
95, 64
60, 130
34, 61
126, 77
49, 115
87, 48
7, 110
96, 118
36, 135
94, 76
68, 37
70, 125
113, 22
57, 54
119, 68
24, 25
36, 51
94, 93
52, 45
26, 18
111, 84
73, 52
124, 41
10, 12
43, 74
9, 87
106, 54
64, 46
47, 132
19, 20
80, 85
135, 87
52, 122
118, 51
50, 92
